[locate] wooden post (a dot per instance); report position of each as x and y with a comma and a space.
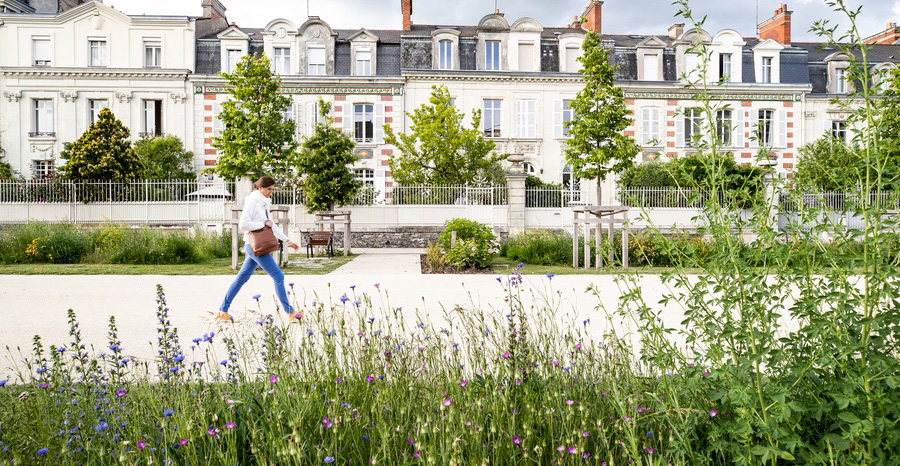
625, 228
453, 239
347, 235
575, 240
235, 211
612, 243
587, 245
598, 242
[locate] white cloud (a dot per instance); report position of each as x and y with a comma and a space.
896, 9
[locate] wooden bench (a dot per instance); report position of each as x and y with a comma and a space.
319, 238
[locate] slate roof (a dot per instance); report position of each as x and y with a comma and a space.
876, 53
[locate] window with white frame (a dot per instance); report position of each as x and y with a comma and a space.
445, 55
42, 51
840, 80
650, 126
41, 169
650, 67
94, 107
724, 127
725, 67
572, 54
568, 114
839, 130
693, 118
766, 69
152, 54
363, 123
232, 58
526, 118
492, 55
692, 66
43, 117
363, 62
365, 175
316, 56
764, 127
571, 183
151, 125
526, 56
98, 52
491, 117
529, 169
282, 60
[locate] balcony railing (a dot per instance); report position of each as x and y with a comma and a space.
42, 63
42, 134
152, 134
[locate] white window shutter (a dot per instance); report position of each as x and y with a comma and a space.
782, 128
532, 118
297, 110
311, 109
379, 123
557, 119
520, 118
737, 138
217, 123
753, 118
645, 125
679, 129
380, 184
655, 126
347, 108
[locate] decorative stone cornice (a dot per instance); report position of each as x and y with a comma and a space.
12, 96
178, 97
124, 97
92, 73
494, 77
68, 96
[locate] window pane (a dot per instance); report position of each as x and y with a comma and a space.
567, 115
725, 67
445, 61
651, 67
492, 118
526, 57
492, 49
316, 60
363, 63
363, 122
42, 52
572, 53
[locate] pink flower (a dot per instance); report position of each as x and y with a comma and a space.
572, 450
713, 412
142, 444
326, 423
518, 382
463, 383
570, 402
183, 442
585, 434
273, 379
447, 401
560, 448
578, 346
230, 425
213, 432
650, 451
120, 393
517, 440
506, 355
370, 378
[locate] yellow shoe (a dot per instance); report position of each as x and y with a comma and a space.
224, 317
295, 317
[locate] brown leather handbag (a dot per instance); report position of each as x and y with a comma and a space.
263, 241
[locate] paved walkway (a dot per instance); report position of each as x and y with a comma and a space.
394, 261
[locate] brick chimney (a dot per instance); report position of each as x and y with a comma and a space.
890, 35
406, 6
593, 16
213, 19
576, 23
778, 27
676, 30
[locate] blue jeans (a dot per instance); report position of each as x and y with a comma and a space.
268, 264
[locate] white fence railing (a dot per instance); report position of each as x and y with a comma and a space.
550, 198
410, 195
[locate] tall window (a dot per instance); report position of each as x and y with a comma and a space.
526, 118
42, 52
43, 117
41, 169
98, 52
572, 54
568, 114
767, 69
366, 175
692, 122
152, 124
724, 127
692, 66
445, 55
282, 60
650, 131
650, 67
725, 67
571, 184
526, 56
232, 58
152, 54
364, 122
316, 56
492, 55
491, 118
94, 107
764, 127
839, 130
839, 80
363, 62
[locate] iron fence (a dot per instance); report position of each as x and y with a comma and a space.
44, 192
546, 198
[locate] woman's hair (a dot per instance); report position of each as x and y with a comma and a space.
263, 182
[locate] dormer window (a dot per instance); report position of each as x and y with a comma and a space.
572, 54
725, 67
232, 58
282, 60
445, 55
526, 56
492, 55
766, 70
650, 67
316, 55
42, 51
363, 62
839, 81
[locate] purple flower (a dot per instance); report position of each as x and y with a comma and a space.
573, 450
273, 379
291, 285
416, 454
43, 451
230, 425
213, 432
183, 442
517, 440
587, 455
168, 413
550, 275
506, 355
329, 459
224, 362
44, 385
370, 378
378, 285
650, 451
113, 347
257, 296
344, 298
2, 382
448, 401
570, 402
326, 423
142, 444
560, 448
713, 412
585, 434
463, 383
578, 346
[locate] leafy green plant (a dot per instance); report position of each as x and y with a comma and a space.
102, 153
434, 257
164, 158
480, 247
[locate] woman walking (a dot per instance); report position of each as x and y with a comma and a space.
255, 216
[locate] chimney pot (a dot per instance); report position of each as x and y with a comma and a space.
593, 15
406, 8
778, 27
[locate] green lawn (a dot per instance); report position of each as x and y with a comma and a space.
302, 266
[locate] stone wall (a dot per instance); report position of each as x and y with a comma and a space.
416, 237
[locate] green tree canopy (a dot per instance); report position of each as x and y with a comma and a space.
323, 162
164, 158
598, 145
828, 164
256, 138
102, 153
439, 149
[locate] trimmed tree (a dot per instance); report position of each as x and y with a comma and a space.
828, 164
323, 162
256, 139
598, 145
438, 149
102, 153
164, 158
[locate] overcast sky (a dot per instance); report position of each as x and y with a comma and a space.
619, 16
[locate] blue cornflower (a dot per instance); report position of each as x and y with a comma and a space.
173, 370
61, 349
356, 303
125, 361
41, 370
113, 347
3, 382
310, 332
179, 358
551, 275
101, 427
197, 341
352, 287
257, 296
168, 413
224, 362
345, 405
43, 451
344, 298
329, 459
520, 265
